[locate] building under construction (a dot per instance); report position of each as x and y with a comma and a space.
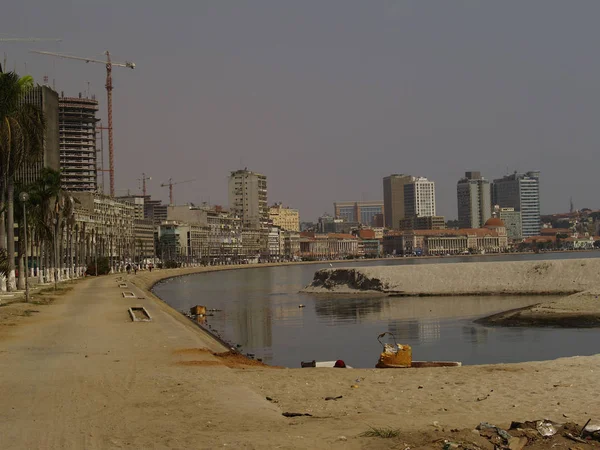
77, 132
47, 100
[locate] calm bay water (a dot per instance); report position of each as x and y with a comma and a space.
260, 311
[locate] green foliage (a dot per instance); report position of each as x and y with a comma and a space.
103, 267
3, 262
171, 264
385, 433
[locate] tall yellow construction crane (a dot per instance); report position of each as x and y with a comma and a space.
109, 87
171, 183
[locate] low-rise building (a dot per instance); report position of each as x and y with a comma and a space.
489, 239
143, 232
370, 248
284, 217
107, 225
291, 242
328, 246
181, 242
423, 223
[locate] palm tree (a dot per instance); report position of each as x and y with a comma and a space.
3, 262
22, 127
44, 193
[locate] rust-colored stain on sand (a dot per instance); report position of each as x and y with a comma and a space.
201, 363
231, 359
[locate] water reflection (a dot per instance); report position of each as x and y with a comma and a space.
260, 311
349, 310
475, 335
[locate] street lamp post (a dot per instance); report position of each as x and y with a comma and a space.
24, 196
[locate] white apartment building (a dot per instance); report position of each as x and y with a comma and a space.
248, 198
419, 198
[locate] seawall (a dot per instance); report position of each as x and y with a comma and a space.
556, 277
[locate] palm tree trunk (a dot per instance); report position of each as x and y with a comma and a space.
71, 259
2, 231
10, 233
21, 257
32, 253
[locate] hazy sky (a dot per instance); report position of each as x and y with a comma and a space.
328, 97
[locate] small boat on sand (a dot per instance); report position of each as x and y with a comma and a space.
399, 356
420, 365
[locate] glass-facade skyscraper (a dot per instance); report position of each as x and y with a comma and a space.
521, 192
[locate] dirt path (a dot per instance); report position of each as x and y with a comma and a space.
80, 374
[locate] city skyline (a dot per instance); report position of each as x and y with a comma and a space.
327, 99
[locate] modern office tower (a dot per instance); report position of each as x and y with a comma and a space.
248, 198
363, 212
474, 200
77, 130
419, 198
47, 100
521, 192
512, 222
393, 199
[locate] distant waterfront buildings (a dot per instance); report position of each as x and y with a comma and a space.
285, 218
474, 200
491, 238
363, 212
248, 198
77, 131
521, 192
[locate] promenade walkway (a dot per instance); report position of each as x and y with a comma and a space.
81, 375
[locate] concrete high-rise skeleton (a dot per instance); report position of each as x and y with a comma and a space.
248, 198
77, 130
474, 200
47, 100
521, 192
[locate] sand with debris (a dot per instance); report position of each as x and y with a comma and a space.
80, 374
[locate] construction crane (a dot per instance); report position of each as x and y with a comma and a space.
171, 183
27, 39
143, 180
109, 87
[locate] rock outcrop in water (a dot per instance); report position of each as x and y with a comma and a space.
565, 276
330, 279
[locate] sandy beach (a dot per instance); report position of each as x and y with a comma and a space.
77, 373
